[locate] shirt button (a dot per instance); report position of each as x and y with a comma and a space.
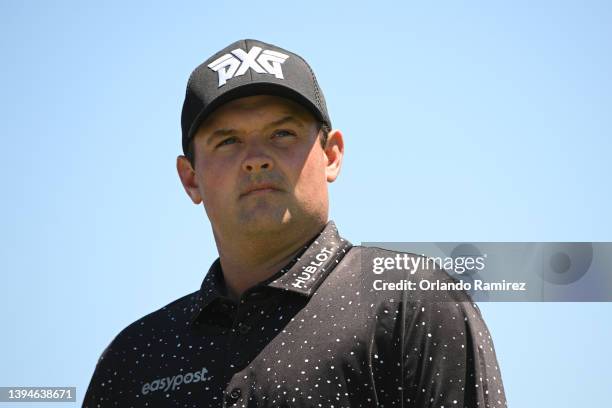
256, 295
244, 328
233, 396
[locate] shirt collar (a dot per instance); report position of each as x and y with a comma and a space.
303, 275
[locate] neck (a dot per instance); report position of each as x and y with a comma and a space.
248, 260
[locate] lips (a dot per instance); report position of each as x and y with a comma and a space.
259, 188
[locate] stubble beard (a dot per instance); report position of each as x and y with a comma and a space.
264, 215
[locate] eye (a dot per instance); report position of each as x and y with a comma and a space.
283, 133
227, 141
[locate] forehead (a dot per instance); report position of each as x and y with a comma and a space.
254, 111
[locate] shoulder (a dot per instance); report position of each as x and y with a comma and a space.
120, 362
390, 271
169, 318
412, 295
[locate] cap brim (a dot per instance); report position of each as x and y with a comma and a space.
251, 89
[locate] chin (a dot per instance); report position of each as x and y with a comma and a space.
264, 221
283, 220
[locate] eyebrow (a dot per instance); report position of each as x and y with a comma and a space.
286, 119
230, 131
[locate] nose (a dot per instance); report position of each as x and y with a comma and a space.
257, 163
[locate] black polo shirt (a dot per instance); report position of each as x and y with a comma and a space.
317, 334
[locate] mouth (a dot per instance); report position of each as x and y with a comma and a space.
259, 190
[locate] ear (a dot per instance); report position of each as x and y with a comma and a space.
334, 151
188, 179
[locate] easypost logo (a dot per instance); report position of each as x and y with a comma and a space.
238, 62
167, 384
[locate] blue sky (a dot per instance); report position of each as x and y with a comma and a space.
477, 121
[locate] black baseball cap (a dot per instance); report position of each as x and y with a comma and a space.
246, 68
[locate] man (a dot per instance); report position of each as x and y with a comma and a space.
288, 316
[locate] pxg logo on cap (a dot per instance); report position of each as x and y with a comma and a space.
247, 68
239, 61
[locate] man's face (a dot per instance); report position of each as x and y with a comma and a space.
259, 165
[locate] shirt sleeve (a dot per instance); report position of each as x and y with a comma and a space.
448, 357
99, 391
